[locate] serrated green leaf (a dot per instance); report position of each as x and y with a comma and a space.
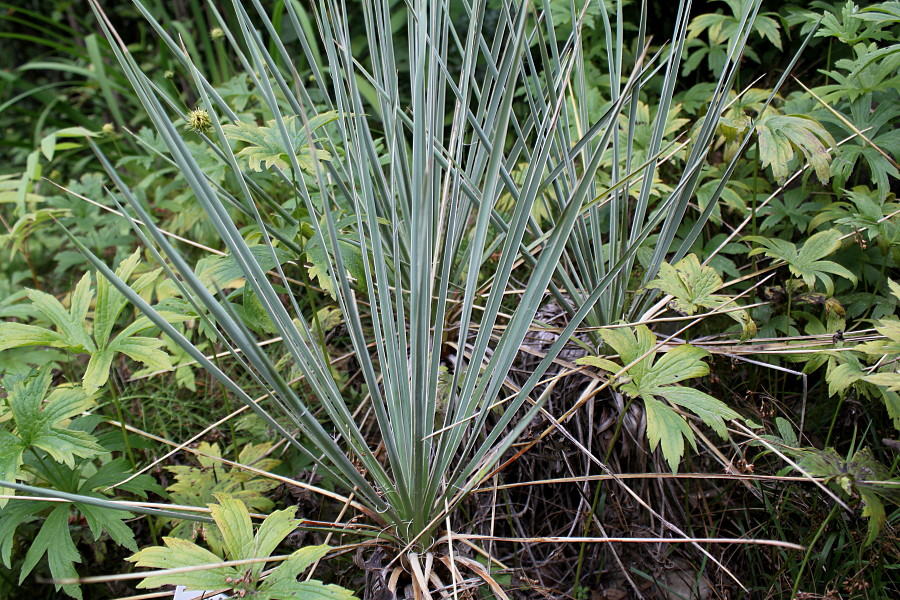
11, 449
889, 381
665, 428
842, 376
14, 514
873, 509
273, 530
17, 335
600, 363
220, 272
55, 541
65, 444
182, 553
711, 411
110, 301
319, 259
895, 288
37, 421
631, 345
144, 350
298, 562
786, 431
97, 372
655, 380
199, 487
692, 286
74, 329
282, 583
72, 323
233, 520
806, 262
110, 521
680, 363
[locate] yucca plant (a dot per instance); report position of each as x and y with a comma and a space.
656, 166
402, 167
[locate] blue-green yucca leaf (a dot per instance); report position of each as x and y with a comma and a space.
317, 371
424, 202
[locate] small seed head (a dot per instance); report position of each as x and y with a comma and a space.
169, 74
109, 128
216, 34
198, 120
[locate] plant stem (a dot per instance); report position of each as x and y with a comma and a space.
809, 550
597, 489
120, 416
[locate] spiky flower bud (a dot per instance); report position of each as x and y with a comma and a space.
198, 120
216, 34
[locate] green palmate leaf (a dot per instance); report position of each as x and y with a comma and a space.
200, 486
691, 284
267, 147
76, 334
862, 475
97, 372
651, 379
145, 350
232, 520
842, 376
71, 323
39, 420
680, 363
806, 263
55, 541
780, 135
273, 531
112, 522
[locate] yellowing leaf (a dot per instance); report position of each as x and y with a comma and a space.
780, 135
691, 284
693, 287
267, 146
